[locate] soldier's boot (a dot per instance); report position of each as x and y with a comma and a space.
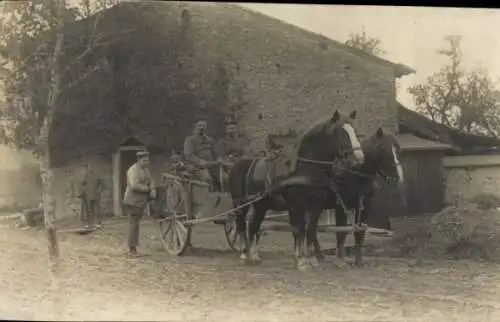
132, 252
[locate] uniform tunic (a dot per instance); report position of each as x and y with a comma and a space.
137, 194
91, 185
231, 146
139, 183
199, 147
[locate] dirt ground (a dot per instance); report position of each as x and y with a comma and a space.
97, 282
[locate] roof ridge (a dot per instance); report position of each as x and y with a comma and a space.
405, 70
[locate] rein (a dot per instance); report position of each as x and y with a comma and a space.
332, 163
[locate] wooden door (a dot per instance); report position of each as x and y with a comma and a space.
430, 190
423, 186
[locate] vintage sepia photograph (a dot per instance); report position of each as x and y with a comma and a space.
214, 161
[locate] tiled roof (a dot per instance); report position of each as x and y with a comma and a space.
410, 142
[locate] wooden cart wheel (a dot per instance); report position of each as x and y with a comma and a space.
175, 236
231, 233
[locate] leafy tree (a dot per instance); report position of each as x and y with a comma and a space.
32, 48
363, 42
467, 101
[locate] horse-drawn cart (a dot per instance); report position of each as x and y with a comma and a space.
187, 201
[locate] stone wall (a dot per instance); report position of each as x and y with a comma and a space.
469, 176
67, 182
66, 187
290, 78
20, 188
291, 99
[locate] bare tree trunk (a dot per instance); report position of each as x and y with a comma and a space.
49, 203
49, 206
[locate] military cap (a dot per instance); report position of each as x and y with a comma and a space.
229, 121
142, 154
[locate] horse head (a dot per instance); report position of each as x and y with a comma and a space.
383, 150
332, 140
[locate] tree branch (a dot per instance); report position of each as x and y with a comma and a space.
86, 75
94, 44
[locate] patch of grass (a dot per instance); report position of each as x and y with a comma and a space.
11, 208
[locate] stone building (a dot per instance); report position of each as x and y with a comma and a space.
169, 63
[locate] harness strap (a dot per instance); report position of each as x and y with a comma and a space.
316, 161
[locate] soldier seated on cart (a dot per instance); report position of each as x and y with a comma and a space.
233, 145
177, 165
199, 150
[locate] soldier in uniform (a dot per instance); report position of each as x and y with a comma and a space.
140, 190
233, 145
199, 149
91, 187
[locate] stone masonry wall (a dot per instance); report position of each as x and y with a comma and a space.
67, 180
67, 186
289, 100
464, 183
289, 77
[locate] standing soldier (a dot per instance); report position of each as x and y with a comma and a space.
233, 146
91, 187
199, 149
140, 190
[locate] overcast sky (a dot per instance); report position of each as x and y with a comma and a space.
409, 35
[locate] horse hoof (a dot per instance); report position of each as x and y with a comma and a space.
314, 261
359, 264
320, 257
341, 263
253, 261
243, 256
303, 264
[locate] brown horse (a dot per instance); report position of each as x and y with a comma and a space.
326, 146
356, 188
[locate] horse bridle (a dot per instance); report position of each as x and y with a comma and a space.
380, 171
383, 174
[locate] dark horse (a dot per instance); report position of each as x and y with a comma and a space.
357, 186
325, 147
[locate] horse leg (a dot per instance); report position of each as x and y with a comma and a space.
296, 249
312, 236
340, 220
256, 215
259, 215
299, 233
302, 254
359, 237
295, 237
241, 227
318, 252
